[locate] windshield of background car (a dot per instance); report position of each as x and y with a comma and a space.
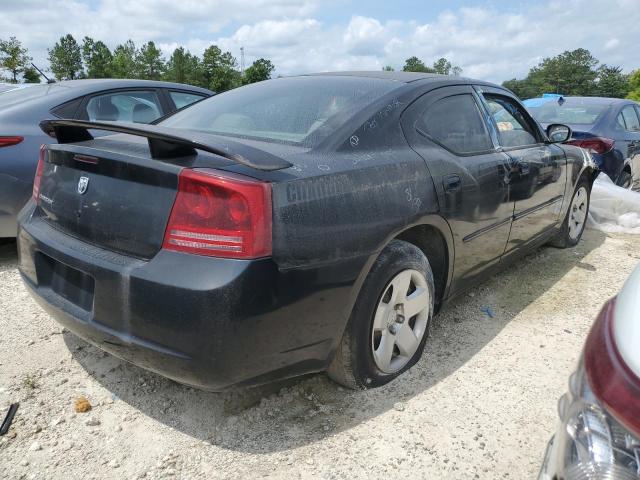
299, 110
579, 111
13, 97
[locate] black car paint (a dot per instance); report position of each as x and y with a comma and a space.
214, 323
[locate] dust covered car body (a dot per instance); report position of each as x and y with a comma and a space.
292, 226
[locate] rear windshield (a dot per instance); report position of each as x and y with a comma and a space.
299, 110
580, 111
13, 97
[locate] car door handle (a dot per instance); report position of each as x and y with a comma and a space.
523, 168
452, 183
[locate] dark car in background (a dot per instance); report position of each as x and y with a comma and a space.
294, 225
598, 436
21, 110
609, 128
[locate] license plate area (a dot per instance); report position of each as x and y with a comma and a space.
70, 283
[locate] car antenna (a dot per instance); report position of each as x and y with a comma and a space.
49, 80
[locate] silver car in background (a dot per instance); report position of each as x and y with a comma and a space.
22, 110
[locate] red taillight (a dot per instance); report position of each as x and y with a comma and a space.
10, 140
38, 177
594, 144
220, 215
610, 379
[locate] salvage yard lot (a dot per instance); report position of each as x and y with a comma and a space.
481, 403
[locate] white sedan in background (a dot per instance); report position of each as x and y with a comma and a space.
599, 432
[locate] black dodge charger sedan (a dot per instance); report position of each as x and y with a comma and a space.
295, 225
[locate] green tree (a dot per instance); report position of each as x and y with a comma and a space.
123, 61
183, 67
13, 58
611, 82
522, 88
149, 62
31, 75
97, 58
634, 85
414, 64
441, 66
445, 67
388, 68
570, 73
66, 58
219, 70
259, 70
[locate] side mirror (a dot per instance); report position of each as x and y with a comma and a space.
558, 133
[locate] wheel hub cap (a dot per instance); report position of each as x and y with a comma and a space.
578, 213
400, 320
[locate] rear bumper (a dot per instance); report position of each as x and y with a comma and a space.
207, 322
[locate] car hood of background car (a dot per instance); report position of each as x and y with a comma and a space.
626, 324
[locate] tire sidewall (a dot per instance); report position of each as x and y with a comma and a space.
396, 257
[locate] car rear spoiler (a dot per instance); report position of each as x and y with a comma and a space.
167, 142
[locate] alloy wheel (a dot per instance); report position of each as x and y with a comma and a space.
400, 320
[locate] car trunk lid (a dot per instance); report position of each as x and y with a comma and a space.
121, 202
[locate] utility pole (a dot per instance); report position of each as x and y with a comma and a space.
242, 60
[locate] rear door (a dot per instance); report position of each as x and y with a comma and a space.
537, 173
628, 139
448, 129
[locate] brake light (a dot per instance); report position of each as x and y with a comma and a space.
220, 215
10, 140
594, 144
38, 177
610, 379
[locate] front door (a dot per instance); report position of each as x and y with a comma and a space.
537, 172
448, 129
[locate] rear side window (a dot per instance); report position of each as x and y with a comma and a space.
68, 109
456, 123
629, 119
513, 128
573, 110
135, 106
182, 99
299, 111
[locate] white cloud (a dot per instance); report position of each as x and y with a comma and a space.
487, 43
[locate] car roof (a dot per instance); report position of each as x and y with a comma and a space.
593, 100
92, 84
404, 77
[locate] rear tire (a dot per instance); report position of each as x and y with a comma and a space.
390, 321
576, 218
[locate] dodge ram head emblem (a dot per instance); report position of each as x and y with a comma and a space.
83, 184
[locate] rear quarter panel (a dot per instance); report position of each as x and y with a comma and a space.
350, 195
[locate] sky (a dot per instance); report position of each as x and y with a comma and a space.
492, 40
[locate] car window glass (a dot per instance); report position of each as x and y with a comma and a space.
68, 109
630, 118
513, 128
571, 110
133, 106
182, 99
620, 121
300, 110
456, 123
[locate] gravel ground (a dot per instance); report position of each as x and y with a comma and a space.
480, 404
